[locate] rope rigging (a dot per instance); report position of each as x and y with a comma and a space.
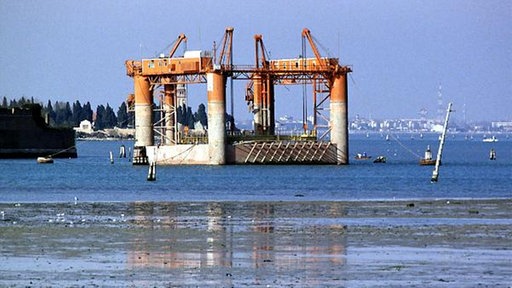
61, 151
403, 146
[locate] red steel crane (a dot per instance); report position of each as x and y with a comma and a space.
225, 59
306, 35
181, 38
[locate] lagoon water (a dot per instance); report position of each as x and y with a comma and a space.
466, 172
261, 226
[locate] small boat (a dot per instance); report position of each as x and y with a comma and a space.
380, 159
427, 160
362, 156
45, 160
490, 140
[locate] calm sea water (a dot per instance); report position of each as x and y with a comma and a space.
466, 172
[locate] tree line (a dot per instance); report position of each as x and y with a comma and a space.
65, 114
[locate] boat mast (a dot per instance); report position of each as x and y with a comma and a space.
435, 173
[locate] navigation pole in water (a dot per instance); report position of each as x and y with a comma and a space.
435, 173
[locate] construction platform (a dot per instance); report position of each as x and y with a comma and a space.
166, 77
271, 152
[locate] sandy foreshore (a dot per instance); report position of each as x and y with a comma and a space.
424, 243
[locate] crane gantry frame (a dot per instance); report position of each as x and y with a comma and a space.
326, 75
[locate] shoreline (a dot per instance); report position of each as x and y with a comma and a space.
297, 199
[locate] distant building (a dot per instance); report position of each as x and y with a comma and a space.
84, 127
438, 128
502, 125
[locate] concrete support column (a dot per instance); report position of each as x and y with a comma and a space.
258, 105
216, 83
143, 111
339, 117
169, 109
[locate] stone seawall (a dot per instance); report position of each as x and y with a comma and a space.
24, 134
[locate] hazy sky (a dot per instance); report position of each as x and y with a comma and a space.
400, 51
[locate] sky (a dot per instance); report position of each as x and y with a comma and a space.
400, 51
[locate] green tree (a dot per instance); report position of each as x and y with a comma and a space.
190, 118
122, 116
13, 103
77, 113
110, 118
50, 112
105, 117
22, 101
86, 112
180, 115
63, 114
201, 115
98, 123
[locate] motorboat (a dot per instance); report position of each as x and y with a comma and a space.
490, 139
380, 159
362, 156
45, 160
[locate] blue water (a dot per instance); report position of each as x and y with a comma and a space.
466, 173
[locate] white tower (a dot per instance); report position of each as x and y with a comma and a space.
181, 95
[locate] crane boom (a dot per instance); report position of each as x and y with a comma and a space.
306, 34
177, 43
260, 52
226, 56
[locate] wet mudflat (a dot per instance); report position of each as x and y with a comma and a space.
456, 243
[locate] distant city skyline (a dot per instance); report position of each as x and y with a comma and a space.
400, 51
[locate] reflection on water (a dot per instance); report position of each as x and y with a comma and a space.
234, 236
249, 244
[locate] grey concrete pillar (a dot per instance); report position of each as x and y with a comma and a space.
339, 118
216, 83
